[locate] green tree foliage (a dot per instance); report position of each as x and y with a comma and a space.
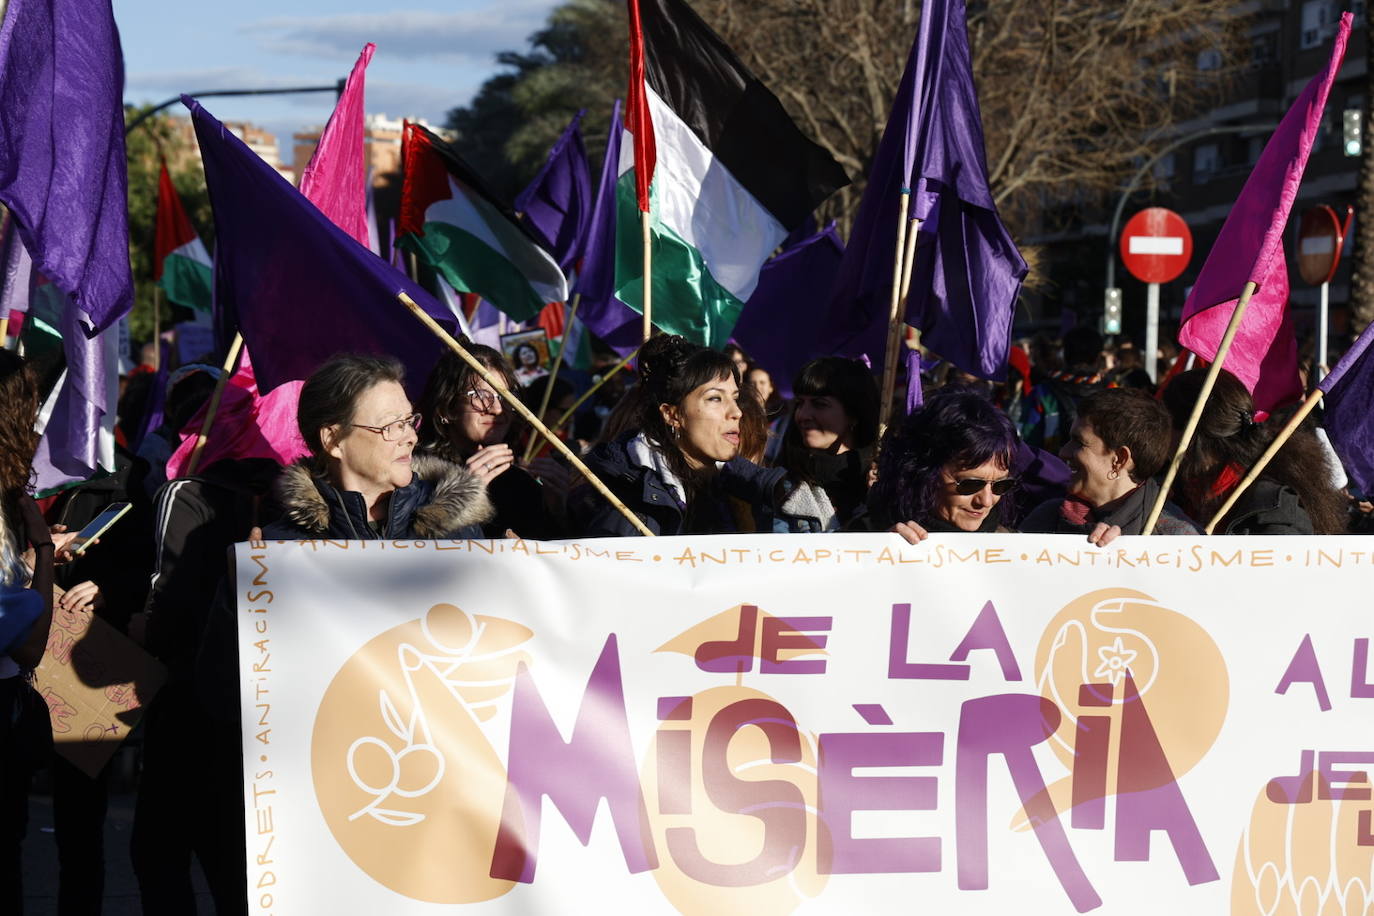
576, 61
161, 136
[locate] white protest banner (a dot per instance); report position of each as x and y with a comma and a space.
819, 724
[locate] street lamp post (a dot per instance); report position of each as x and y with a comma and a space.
337, 88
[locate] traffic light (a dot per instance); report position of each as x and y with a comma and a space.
1111, 312
1350, 131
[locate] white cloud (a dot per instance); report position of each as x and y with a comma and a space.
466, 36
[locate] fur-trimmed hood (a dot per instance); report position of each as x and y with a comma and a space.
440, 499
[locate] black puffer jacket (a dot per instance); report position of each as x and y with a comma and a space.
442, 500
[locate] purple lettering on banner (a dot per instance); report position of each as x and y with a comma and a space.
987, 633
1364, 828
897, 665
792, 633
1090, 772
1148, 798
842, 793
1304, 669
1335, 783
1293, 790
1360, 687
674, 748
1010, 724
731, 656
598, 762
779, 804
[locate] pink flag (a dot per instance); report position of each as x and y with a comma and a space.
1264, 354
247, 425
336, 178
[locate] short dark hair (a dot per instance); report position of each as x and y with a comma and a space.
851, 383
1129, 417
330, 396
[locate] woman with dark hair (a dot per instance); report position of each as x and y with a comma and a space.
25, 615
679, 468
361, 480
527, 367
830, 439
1118, 442
1293, 495
945, 467
470, 425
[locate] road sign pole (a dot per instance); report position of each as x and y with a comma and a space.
1151, 329
1322, 313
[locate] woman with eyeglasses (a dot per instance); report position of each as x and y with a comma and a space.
1118, 442
470, 425
362, 479
678, 465
945, 467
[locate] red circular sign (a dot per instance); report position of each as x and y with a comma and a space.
1320, 238
1156, 245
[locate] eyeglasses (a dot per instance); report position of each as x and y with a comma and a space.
393, 432
482, 399
967, 486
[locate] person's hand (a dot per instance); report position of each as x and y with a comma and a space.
913, 532
1104, 534
491, 461
61, 544
85, 596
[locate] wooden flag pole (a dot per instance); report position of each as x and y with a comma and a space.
204, 436
1212, 372
1284, 435
567, 414
4, 331
894, 317
553, 373
511, 399
648, 276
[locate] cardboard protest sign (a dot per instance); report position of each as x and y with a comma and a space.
821, 724
96, 682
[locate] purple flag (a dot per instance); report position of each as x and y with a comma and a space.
62, 167
300, 288
1349, 411
780, 324
968, 272
558, 203
18, 271
78, 419
618, 325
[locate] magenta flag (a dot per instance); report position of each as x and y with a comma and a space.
1249, 248
336, 178
247, 425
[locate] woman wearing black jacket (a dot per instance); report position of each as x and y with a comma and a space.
362, 480
679, 469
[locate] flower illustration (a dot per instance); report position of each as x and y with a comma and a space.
1116, 661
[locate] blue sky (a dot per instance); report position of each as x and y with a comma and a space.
431, 54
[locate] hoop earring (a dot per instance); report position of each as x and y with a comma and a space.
1114, 474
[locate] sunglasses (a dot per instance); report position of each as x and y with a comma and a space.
967, 486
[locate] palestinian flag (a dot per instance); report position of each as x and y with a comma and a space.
721, 169
181, 264
458, 227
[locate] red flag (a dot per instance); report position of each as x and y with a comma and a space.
637, 119
173, 226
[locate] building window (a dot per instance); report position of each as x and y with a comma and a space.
1206, 162
1209, 59
1164, 168
1319, 19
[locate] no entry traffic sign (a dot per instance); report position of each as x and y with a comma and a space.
1156, 245
1320, 239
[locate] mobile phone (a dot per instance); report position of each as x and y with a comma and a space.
98, 526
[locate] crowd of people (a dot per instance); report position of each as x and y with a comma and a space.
703, 442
